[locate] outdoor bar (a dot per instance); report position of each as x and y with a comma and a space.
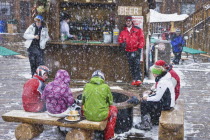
93, 22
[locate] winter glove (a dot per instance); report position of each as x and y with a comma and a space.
138, 52
133, 100
123, 45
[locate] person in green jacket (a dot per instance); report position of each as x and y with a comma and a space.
97, 103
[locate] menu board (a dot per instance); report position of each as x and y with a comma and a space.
138, 21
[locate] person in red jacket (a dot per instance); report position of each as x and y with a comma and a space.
173, 74
132, 38
32, 90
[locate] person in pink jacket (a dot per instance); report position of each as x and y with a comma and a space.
57, 93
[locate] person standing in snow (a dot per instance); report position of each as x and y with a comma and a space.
36, 36
32, 90
57, 93
175, 76
97, 103
64, 27
132, 39
161, 99
177, 43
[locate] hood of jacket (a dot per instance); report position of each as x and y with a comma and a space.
96, 80
62, 77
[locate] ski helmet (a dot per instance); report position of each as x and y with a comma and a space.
41, 70
39, 18
99, 74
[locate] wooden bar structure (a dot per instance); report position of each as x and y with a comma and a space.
82, 58
197, 28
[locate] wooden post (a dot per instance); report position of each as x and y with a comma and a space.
79, 134
28, 131
54, 20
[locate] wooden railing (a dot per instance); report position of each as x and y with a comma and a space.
197, 28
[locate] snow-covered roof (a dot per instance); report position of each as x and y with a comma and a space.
158, 17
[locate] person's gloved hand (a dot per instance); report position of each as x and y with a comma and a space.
133, 100
123, 45
138, 52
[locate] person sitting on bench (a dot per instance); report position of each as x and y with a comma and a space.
97, 103
175, 76
58, 95
32, 90
162, 99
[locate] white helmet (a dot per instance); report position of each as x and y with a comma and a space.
99, 74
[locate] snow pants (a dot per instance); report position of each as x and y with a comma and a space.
152, 108
177, 57
112, 117
134, 64
35, 55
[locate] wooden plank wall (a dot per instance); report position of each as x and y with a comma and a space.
15, 13
82, 61
197, 28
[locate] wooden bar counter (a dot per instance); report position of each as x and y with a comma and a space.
82, 59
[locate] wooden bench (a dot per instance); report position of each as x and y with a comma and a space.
32, 125
171, 123
183, 59
192, 51
205, 57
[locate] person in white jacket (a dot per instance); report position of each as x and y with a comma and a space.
64, 28
162, 99
36, 36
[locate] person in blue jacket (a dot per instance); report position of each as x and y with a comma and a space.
177, 43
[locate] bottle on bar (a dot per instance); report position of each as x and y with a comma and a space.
115, 34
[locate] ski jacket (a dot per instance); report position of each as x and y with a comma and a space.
96, 98
57, 93
31, 96
177, 86
29, 36
134, 39
177, 43
164, 92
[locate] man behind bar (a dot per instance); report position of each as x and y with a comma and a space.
132, 39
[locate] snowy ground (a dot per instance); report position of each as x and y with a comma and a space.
195, 88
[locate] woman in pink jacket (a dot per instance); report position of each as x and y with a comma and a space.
57, 93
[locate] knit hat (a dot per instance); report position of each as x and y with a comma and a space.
178, 30
157, 69
128, 18
160, 63
98, 73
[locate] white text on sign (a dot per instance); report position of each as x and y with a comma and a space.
130, 10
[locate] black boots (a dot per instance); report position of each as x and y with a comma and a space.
145, 123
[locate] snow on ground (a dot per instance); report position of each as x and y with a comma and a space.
25, 75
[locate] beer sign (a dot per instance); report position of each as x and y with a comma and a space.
130, 10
